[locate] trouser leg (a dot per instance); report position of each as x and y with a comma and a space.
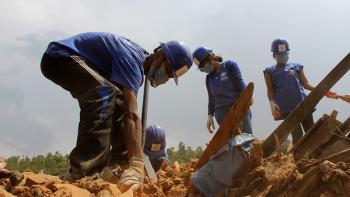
247, 122
308, 122
118, 154
297, 133
96, 97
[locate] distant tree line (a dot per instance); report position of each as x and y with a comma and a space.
52, 164
183, 154
57, 163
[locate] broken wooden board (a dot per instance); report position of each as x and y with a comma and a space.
334, 142
306, 106
320, 131
229, 125
343, 129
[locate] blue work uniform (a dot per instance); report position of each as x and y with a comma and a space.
95, 67
117, 58
224, 88
288, 93
288, 89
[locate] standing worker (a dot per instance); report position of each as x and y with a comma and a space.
285, 87
104, 72
224, 84
155, 146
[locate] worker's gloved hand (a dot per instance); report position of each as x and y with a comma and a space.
275, 110
133, 176
210, 124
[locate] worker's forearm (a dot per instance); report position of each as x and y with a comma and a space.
309, 86
132, 132
270, 95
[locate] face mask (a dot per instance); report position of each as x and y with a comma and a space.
157, 75
282, 58
208, 68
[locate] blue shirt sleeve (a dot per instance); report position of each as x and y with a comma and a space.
211, 107
298, 67
267, 71
237, 78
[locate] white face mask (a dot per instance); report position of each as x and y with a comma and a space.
282, 58
208, 68
157, 75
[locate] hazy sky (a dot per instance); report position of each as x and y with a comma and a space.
37, 116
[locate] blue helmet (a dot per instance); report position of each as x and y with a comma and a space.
200, 54
279, 46
179, 57
155, 142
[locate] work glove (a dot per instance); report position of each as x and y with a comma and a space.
275, 110
210, 124
132, 178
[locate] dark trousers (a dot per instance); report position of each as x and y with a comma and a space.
246, 125
100, 138
297, 132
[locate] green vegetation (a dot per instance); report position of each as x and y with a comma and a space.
57, 163
52, 164
183, 154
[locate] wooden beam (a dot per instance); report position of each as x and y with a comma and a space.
306, 106
229, 125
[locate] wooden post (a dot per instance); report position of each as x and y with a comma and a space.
306, 106
229, 125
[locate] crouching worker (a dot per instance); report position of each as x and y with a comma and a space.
155, 146
104, 72
235, 159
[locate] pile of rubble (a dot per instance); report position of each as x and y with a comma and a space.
173, 180
281, 176
277, 175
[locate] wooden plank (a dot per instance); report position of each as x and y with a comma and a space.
229, 125
342, 143
306, 106
343, 156
335, 127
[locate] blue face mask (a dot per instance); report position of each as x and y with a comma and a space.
157, 75
282, 58
208, 68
